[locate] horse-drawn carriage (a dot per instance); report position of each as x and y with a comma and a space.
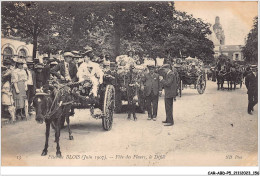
230, 73
54, 107
121, 83
185, 78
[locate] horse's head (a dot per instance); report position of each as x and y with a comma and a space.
41, 104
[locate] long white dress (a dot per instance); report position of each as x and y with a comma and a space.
91, 71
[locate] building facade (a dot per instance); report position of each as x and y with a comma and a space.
12, 46
233, 52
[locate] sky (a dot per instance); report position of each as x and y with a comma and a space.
236, 17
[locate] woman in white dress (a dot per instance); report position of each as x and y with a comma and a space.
89, 70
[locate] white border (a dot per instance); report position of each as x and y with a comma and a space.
129, 170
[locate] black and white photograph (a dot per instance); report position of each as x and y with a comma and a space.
129, 83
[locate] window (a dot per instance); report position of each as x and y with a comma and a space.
22, 53
7, 53
236, 56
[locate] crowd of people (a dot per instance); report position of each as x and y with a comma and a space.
21, 79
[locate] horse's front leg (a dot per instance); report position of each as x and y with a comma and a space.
57, 137
47, 134
68, 123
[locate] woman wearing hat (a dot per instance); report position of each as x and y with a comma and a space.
7, 96
19, 80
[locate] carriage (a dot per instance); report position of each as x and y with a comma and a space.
230, 73
105, 101
54, 107
122, 77
193, 80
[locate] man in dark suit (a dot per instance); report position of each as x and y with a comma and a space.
169, 84
31, 82
131, 92
251, 82
151, 88
67, 69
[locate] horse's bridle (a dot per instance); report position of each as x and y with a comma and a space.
51, 112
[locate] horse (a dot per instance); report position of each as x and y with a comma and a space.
52, 109
225, 74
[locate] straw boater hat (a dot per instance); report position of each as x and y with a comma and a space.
19, 60
68, 54
39, 65
87, 50
30, 62
45, 56
54, 63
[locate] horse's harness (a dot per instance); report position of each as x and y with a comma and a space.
51, 112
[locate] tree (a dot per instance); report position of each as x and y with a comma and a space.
27, 20
250, 51
189, 37
154, 28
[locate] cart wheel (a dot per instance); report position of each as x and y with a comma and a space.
108, 108
201, 84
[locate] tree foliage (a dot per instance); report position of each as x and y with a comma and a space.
153, 28
250, 50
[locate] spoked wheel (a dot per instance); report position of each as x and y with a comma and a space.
108, 108
201, 84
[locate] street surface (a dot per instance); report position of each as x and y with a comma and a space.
212, 129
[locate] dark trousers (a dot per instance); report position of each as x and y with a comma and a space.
169, 109
252, 101
131, 107
152, 105
30, 93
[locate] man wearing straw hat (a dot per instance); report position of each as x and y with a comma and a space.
67, 69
